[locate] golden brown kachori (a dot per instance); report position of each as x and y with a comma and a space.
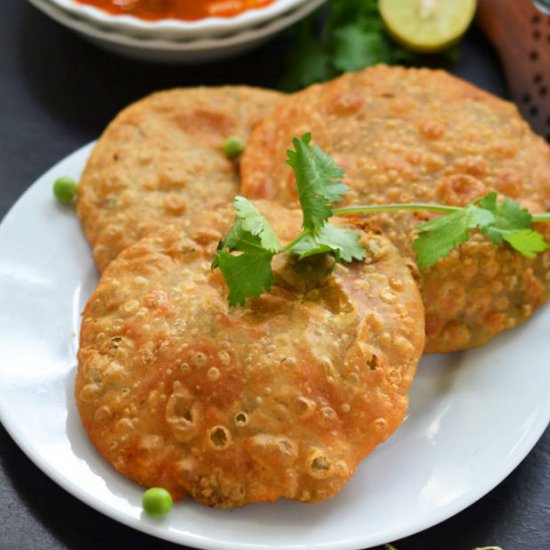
161, 159
280, 398
419, 135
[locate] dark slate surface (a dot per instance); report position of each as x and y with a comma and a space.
57, 93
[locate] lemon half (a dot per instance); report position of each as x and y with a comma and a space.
427, 25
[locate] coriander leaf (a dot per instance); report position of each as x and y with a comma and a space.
513, 225
505, 221
318, 181
308, 245
526, 241
508, 213
357, 46
247, 275
509, 217
344, 244
308, 61
250, 220
321, 43
438, 237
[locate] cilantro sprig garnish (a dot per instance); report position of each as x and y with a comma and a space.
344, 36
245, 255
249, 273
318, 182
319, 185
504, 221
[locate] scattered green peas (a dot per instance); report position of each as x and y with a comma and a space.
64, 189
157, 501
233, 146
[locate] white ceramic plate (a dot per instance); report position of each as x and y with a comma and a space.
189, 50
474, 416
172, 28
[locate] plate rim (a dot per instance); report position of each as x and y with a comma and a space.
196, 44
521, 450
214, 24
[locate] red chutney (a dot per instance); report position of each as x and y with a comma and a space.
188, 10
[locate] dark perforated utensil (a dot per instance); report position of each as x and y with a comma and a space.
520, 32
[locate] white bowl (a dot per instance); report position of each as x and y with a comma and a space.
189, 50
175, 28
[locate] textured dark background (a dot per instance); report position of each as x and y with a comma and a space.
58, 93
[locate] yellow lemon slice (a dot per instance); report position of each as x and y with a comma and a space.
427, 25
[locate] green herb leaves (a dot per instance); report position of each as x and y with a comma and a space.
248, 273
319, 185
349, 36
512, 224
318, 182
505, 221
249, 223
438, 237
245, 254
342, 243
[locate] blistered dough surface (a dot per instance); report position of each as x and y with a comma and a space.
418, 135
281, 398
161, 160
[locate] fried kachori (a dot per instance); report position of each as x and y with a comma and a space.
162, 159
280, 398
419, 135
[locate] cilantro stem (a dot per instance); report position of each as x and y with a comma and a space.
289, 245
440, 208
369, 209
245, 257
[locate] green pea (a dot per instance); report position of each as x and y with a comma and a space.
233, 146
64, 189
157, 501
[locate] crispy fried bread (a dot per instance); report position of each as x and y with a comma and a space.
418, 135
280, 398
161, 159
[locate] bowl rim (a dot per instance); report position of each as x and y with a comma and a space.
207, 25
183, 44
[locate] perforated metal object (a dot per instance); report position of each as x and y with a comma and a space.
520, 32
